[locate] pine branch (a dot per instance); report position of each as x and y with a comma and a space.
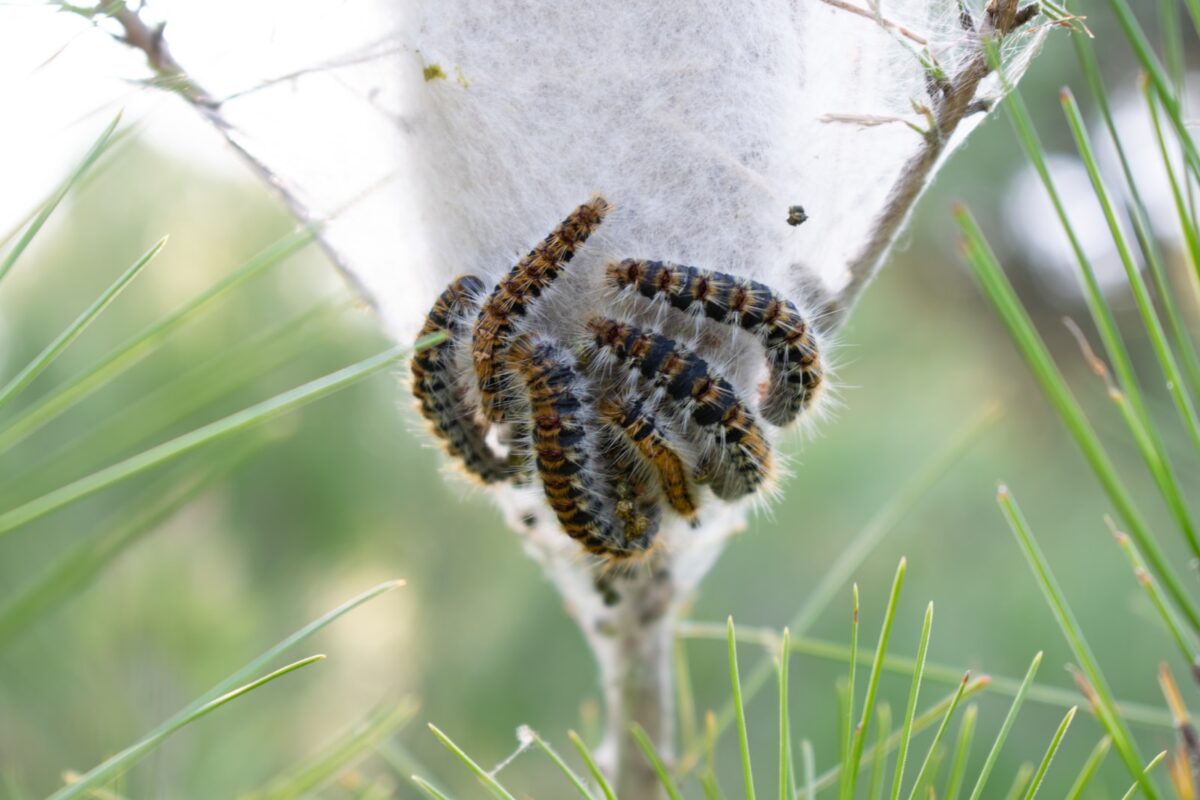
170, 75
953, 100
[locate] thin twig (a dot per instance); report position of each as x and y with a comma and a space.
887, 23
865, 120
171, 76
369, 54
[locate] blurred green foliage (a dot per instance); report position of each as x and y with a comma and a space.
346, 493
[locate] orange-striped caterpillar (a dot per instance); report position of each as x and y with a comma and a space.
566, 448
510, 300
650, 440
621, 425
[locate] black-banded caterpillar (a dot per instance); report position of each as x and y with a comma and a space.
443, 403
510, 300
565, 448
791, 348
665, 421
736, 450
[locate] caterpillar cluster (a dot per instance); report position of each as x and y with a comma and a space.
619, 422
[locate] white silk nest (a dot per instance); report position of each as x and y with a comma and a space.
448, 137
443, 137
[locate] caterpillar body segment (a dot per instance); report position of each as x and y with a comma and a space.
793, 388
565, 449
441, 401
510, 300
743, 462
664, 364
738, 459
792, 351
644, 433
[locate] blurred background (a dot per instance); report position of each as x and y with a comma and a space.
284, 523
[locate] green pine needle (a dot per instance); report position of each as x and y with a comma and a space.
1088, 771
162, 500
1141, 713
926, 766
883, 729
743, 737
848, 704
1000, 292
562, 765
1020, 782
1141, 782
490, 783
918, 674
922, 721
1185, 640
590, 761
113, 766
785, 734
73, 331
97, 149
1159, 78
428, 788
340, 754
1040, 775
962, 753
852, 556
1105, 705
142, 344
1176, 385
656, 761
885, 632
993, 754
223, 428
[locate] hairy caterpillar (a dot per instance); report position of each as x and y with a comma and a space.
618, 422
790, 343
440, 400
565, 447
651, 442
738, 453
511, 298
